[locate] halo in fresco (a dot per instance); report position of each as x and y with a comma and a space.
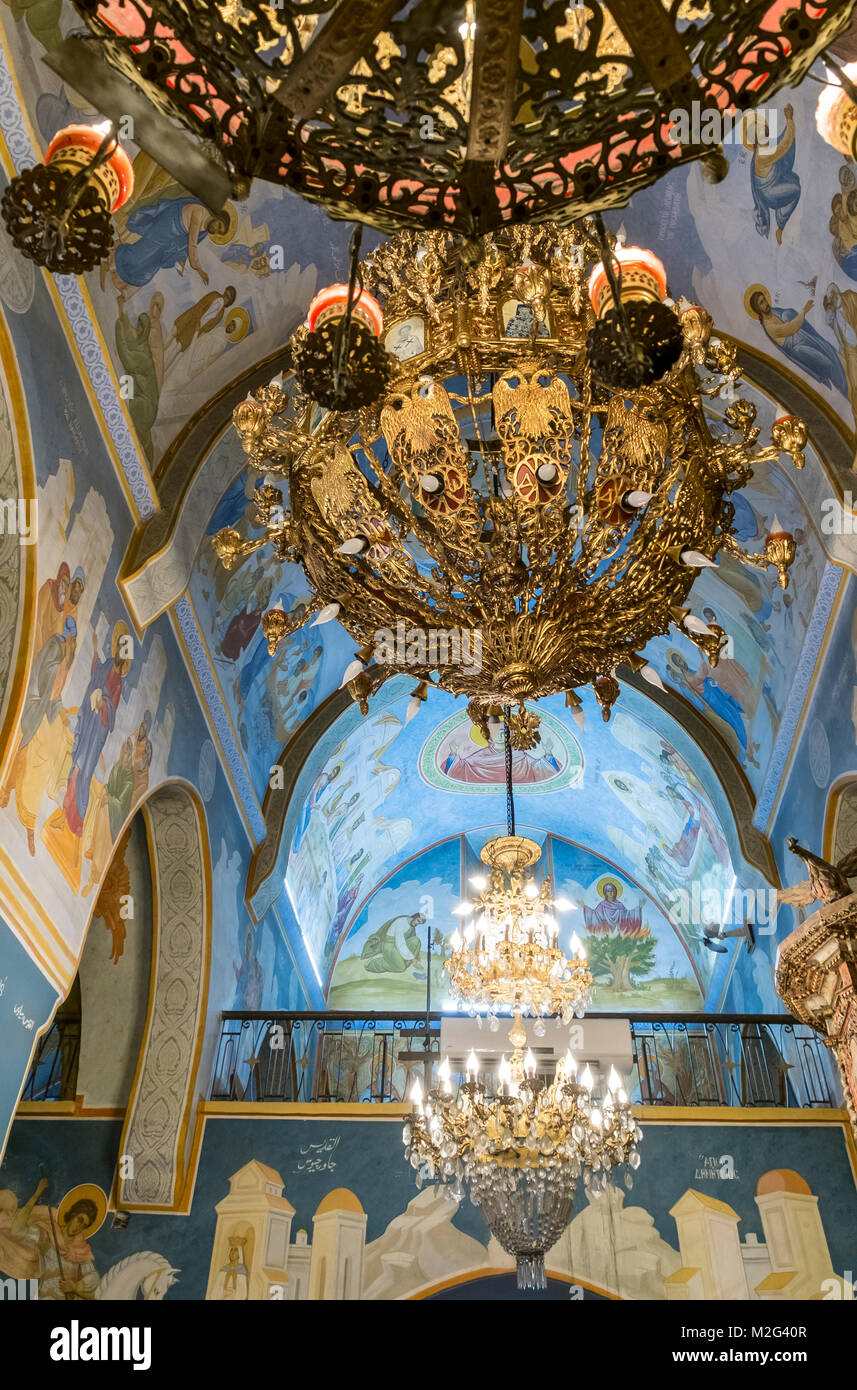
457, 758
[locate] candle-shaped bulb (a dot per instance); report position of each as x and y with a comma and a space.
586, 1077
614, 1081
416, 1093
570, 1064
472, 1067
530, 1064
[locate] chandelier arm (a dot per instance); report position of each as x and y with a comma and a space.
342, 341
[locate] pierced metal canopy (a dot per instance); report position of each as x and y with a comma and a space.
462, 115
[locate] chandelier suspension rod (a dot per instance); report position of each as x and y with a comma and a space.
636, 352
343, 332
510, 799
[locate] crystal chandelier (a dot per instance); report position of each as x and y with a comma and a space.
466, 114
521, 1145
510, 494
507, 952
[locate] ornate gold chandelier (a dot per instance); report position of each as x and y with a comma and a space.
521, 1146
500, 499
507, 953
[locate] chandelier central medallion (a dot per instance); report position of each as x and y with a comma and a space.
501, 522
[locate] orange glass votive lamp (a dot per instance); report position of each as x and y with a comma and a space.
75, 147
643, 278
836, 114
331, 304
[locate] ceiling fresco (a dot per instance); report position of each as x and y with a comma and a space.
640, 961
371, 804
268, 698
772, 251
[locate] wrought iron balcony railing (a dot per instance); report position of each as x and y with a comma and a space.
679, 1060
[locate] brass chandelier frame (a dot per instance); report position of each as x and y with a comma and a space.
495, 490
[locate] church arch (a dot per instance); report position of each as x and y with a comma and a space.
155, 1136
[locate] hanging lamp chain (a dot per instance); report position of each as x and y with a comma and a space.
510, 800
342, 341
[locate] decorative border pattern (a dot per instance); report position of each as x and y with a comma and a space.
24, 156
153, 1133
801, 682
198, 660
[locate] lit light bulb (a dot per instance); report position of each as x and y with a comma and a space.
530, 1064
103, 128
695, 560
504, 1073
455, 941
595, 1117
696, 625
416, 1092
352, 669
326, 614
636, 499
469, 932
353, 546
479, 882
464, 909
472, 1066
570, 1064
614, 1081
650, 674
444, 1076
586, 1077
622, 1096
563, 905
531, 891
